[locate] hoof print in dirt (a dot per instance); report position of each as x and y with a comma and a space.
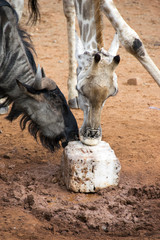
28, 202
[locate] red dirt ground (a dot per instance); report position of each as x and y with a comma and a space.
34, 203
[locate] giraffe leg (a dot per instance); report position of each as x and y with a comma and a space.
130, 39
69, 11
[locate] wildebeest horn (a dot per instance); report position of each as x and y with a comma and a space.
38, 78
42, 82
39, 73
48, 83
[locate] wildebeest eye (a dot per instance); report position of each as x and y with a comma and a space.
55, 98
52, 95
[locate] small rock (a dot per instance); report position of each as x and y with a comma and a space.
5, 199
132, 81
157, 44
11, 166
6, 156
2, 165
29, 201
3, 177
47, 216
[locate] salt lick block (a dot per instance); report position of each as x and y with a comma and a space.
89, 168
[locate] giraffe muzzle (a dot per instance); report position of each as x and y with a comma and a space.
90, 136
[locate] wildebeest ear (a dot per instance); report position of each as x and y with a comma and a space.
21, 86
30, 91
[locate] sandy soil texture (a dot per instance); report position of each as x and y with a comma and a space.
34, 203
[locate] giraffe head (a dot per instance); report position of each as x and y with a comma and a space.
97, 81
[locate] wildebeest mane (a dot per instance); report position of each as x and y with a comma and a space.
33, 7
35, 131
28, 45
29, 50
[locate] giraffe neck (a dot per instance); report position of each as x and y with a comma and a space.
90, 24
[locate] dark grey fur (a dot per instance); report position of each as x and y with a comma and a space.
38, 99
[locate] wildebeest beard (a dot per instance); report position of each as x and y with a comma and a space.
68, 133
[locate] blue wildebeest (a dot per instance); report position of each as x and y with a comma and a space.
33, 95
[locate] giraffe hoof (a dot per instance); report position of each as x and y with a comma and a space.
73, 103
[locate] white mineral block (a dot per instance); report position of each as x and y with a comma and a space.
89, 168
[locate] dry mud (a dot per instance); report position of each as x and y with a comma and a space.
34, 203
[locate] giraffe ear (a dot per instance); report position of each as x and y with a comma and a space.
114, 45
115, 62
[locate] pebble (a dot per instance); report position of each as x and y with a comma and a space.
2, 165
157, 44
6, 156
29, 200
11, 166
132, 81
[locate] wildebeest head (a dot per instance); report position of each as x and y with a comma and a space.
96, 82
46, 109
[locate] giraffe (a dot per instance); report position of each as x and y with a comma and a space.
96, 79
